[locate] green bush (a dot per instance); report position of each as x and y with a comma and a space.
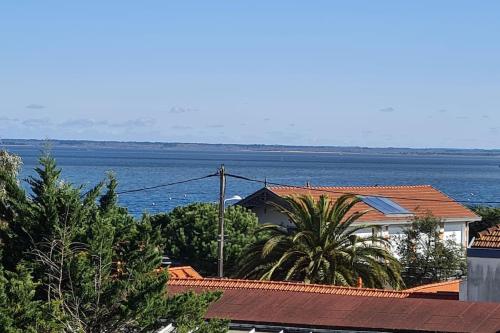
191, 234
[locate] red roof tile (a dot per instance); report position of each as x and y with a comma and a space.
418, 199
226, 284
184, 272
446, 286
294, 304
489, 238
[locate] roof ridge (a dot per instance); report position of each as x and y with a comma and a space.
349, 186
286, 286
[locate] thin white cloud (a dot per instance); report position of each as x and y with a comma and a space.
139, 122
181, 127
37, 122
9, 120
88, 124
83, 123
180, 110
387, 109
35, 106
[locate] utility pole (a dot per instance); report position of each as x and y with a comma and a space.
222, 191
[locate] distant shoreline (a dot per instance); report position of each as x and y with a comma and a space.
250, 148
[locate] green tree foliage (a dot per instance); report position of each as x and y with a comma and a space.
19, 311
10, 163
490, 216
425, 256
186, 308
322, 248
95, 264
191, 233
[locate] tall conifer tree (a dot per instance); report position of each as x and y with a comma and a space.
96, 264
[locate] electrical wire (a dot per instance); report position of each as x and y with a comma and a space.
316, 189
266, 182
168, 184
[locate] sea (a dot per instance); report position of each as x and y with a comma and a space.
470, 179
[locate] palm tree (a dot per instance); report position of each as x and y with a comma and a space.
321, 248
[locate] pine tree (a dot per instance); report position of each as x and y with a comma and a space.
20, 312
92, 259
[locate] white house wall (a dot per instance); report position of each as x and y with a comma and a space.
455, 231
267, 214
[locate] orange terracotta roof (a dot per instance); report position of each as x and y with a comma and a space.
418, 199
489, 238
229, 284
447, 286
184, 272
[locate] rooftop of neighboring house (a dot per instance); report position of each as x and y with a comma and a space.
183, 272
447, 287
330, 307
237, 284
225, 284
489, 238
381, 202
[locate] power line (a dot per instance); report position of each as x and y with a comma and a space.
168, 184
323, 190
267, 182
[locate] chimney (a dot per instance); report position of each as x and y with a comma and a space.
360, 282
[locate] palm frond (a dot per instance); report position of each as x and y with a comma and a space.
324, 246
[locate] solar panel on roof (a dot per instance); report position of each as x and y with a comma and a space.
384, 205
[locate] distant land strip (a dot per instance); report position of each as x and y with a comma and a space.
219, 147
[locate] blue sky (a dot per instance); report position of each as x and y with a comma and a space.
368, 73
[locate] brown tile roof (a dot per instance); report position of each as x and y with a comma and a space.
184, 272
418, 199
446, 286
292, 304
489, 238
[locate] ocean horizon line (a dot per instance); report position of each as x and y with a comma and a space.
242, 147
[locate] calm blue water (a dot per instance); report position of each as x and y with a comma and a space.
462, 177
